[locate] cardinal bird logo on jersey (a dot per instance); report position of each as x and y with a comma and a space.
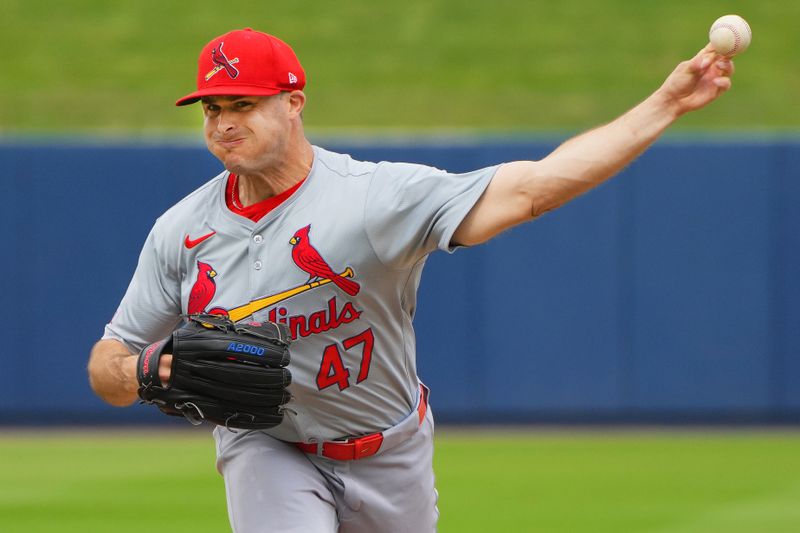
310, 261
203, 289
221, 62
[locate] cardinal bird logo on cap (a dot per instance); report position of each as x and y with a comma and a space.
221, 62
310, 261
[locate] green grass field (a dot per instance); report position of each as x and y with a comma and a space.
106, 68
519, 481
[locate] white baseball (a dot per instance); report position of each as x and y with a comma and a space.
730, 35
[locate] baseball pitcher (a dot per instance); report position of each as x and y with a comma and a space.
276, 301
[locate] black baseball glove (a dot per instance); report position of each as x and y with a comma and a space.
223, 372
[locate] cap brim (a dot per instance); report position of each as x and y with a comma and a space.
227, 90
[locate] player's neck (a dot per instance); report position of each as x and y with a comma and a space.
254, 187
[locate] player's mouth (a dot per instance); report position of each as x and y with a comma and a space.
230, 143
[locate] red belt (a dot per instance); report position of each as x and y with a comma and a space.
358, 448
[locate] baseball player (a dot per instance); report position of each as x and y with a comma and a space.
334, 248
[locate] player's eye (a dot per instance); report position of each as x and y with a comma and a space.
241, 104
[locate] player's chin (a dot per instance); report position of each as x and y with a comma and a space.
240, 165
229, 157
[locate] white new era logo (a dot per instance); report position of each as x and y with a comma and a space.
292, 78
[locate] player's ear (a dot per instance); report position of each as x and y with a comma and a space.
297, 101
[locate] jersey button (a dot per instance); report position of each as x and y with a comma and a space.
257, 265
258, 239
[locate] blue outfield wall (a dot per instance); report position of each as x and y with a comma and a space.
671, 293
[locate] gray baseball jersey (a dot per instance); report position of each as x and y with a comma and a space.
339, 261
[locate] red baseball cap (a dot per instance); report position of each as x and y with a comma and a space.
246, 63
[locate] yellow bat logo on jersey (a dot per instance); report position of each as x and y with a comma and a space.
243, 311
300, 326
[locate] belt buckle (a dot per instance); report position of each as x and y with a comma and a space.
366, 446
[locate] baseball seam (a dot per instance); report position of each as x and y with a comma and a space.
737, 36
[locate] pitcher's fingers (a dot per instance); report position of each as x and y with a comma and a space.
723, 83
726, 67
703, 59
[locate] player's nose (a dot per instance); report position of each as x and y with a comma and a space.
225, 122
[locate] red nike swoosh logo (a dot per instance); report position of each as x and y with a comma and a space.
189, 243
